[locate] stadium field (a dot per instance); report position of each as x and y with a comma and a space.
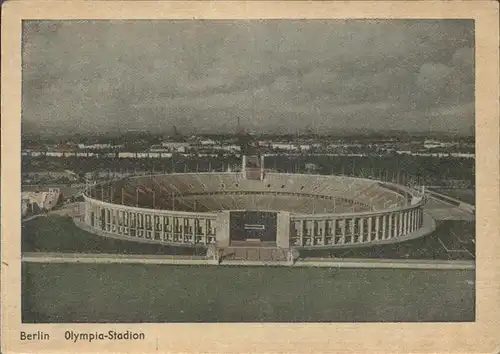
119, 293
452, 240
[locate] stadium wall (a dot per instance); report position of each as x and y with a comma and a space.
293, 230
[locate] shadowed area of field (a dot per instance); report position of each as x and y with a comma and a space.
164, 293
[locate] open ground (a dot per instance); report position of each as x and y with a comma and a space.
120, 293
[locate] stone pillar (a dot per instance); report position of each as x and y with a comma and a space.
398, 224
127, 222
183, 230
113, 220
390, 233
88, 213
323, 231
203, 229
344, 230
130, 220
283, 230
122, 221
163, 232
142, 224
334, 230
308, 233
370, 228
301, 232
394, 220
153, 227
192, 230
99, 217
377, 227
106, 219
404, 215
137, 225
361, 229
384, 226
401, 220
350, 229
118, 225
208, 225
222, 229
102, 218
195, 233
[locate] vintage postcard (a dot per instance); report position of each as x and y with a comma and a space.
258, 177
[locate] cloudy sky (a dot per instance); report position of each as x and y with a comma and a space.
278, 75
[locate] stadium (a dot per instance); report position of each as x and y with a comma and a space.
254, 208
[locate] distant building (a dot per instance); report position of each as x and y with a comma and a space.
433, 144
284, 146
51, 175
174, 145
228, 147
208, 142
126, 155
40, 201
99, 146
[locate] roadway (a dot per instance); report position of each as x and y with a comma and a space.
34, 257
441, 210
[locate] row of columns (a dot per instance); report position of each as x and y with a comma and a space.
167, 228
355, 229
303, 231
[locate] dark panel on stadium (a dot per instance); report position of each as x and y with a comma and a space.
253, 225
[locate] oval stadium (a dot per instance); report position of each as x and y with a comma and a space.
255, 207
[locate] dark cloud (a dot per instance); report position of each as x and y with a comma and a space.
281, 75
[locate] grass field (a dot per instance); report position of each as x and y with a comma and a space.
121, 293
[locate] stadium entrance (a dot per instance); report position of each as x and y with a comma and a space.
253, 228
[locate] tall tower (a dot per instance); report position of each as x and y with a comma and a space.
252, 162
